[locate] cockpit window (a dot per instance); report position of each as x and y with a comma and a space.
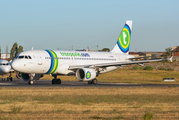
29, 57
4, 64
20, 57
24, 57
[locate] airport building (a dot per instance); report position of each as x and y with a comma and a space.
150, 55
175, 53
5, 56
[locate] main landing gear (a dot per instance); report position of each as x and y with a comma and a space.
94, 82
55, 80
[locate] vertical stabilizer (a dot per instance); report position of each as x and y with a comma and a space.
123, 42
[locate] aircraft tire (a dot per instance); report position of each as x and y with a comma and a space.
31, 82
89, 82
10, 78
53, 81
94, 81
58, 81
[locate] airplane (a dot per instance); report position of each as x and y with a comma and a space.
5, 67
86, 65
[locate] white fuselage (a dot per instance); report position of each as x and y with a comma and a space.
58, 62
5, 67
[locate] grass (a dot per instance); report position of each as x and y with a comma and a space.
147, 116
170, 69
138, 76
89, 103
148, 68
137, 68
161, 68
16, 109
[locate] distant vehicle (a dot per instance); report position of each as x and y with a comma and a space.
33, 64
5, 68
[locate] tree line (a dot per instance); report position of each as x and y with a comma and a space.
15, 50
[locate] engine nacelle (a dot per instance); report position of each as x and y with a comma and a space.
26, 77
85, 74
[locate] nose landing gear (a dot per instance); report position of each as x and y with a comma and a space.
9, 78
31, 82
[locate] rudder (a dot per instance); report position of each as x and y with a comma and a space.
123, 43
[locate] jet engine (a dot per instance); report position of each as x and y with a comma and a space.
85, 74
26, 77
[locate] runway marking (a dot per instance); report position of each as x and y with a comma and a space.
8, 84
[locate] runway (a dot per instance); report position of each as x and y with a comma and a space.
16, 83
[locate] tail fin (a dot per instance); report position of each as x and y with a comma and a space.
123, 42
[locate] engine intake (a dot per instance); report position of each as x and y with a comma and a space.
85, 74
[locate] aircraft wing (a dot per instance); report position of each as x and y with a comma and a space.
135, 58
74, 67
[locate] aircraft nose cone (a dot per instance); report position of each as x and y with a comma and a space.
15, 65
7, 69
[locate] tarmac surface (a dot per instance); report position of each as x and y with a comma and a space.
16, 83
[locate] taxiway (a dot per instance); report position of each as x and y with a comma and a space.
47, 83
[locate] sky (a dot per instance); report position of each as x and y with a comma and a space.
61, 24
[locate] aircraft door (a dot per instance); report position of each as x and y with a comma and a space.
73, 59
39, 58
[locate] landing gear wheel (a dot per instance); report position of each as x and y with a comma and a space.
31, 82
89, 82
94, 81
9, 78
58, 81
53, 81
